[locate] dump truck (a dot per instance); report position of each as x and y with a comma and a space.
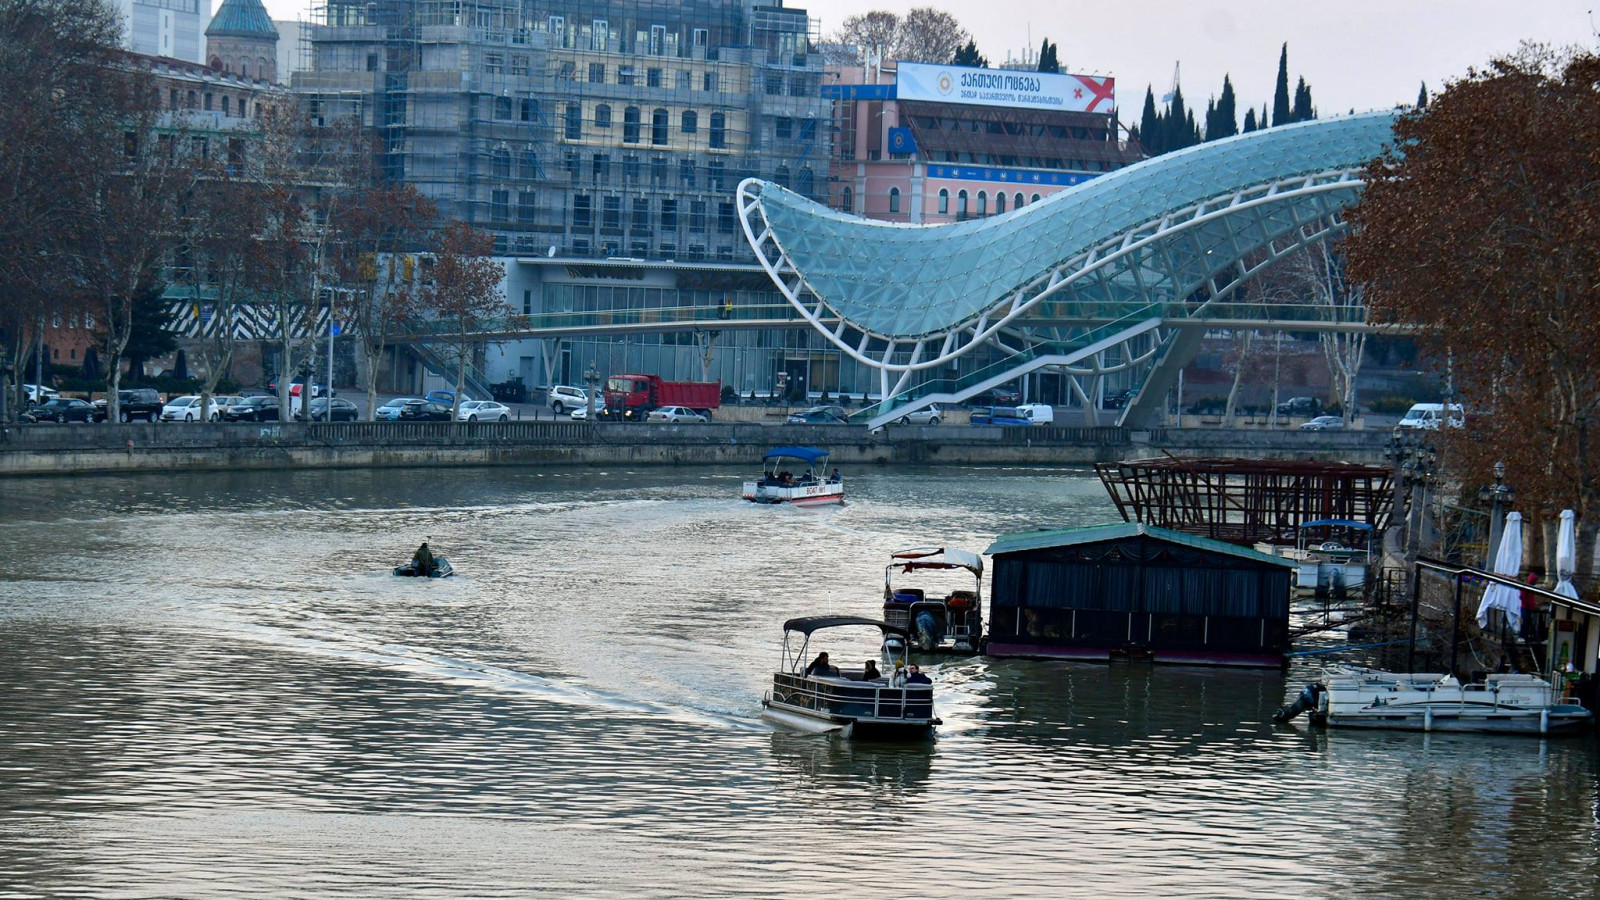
631, 397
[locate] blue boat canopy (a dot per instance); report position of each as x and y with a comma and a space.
810, 454
1336, 523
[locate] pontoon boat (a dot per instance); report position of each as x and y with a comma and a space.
847, 701
1354, 697
796, 475
954, 620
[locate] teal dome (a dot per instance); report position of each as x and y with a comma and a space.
242, 18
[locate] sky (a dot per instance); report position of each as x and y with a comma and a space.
1355, 54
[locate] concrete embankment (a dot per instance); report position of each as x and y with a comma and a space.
69, 449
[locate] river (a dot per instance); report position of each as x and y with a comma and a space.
210, 686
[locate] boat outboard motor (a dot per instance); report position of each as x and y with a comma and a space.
929, 630
1306, 701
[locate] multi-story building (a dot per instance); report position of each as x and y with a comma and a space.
173, 28
241, 38
930, 144
600, 141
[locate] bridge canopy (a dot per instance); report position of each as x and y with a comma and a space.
914, 281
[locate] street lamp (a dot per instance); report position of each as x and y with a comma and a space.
1415, 466
1500, 496
592, 379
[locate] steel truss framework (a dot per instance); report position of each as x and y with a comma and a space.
1127, 292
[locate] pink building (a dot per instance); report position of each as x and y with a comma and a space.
931, 144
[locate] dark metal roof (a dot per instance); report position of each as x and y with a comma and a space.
808, 624
1116, 531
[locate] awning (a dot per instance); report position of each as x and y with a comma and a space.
809, 624
809, 454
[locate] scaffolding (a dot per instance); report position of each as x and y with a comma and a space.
592, 128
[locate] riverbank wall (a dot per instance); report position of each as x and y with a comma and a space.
43, 450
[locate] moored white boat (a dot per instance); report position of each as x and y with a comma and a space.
797, 476
1355, 697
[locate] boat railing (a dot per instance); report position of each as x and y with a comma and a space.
849, 697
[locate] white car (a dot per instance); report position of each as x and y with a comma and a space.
564, 397
483, 411
187, 409
1323, 423
675, 414
582, 413
929, 415
40, 394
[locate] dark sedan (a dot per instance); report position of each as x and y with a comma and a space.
252, 409
343, 410
423, 411
60, 410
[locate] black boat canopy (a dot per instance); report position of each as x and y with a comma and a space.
809, 624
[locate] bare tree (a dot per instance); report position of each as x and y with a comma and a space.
874, 32
464, 290
1319, 273
383, 282
929, 35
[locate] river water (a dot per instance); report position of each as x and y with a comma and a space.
210, 686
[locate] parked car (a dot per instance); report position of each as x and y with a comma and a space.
39, 393
484, 411
995, 397
564, 397
424, 411
1026, 414
819, 415
133, 404
343, 410
187, 409
582, 412
1323, 423
675, 414
58, 409
391, 411
928, 415
296, 386
252, 409
1121, 399
445, 398
1300, 406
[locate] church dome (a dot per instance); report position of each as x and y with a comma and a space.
242, 18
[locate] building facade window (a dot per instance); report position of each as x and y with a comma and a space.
525, 212
944, 202
848, 201
502, 163
669, 214
630, 125
502, 108
574, 121
719, 131
597, 73
690, 121
961, 204
530, 165
602, 116
582, 211
1017, 202
708, 82
894, 199
1034, 199
652, 78
999, 202
611, 214
983, 203
641, 215
660, 124
500, 206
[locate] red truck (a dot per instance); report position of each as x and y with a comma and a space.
632, 397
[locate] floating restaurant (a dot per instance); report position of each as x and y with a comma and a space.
1140, 591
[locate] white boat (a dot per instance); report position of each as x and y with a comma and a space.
798, 476
935, 619
1333, 567
1354, 697
822, 699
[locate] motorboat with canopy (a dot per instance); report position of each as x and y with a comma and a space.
821, 699
798, 476
1335, 564
935, 619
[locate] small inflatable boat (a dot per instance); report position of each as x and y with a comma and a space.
441, 569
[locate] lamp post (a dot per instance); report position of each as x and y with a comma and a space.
592, 379
1415, 466
1500, 496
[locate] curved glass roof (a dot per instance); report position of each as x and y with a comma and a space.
915, 280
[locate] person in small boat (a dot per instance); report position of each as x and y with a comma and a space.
835, 478
820, 666
869, 672
898, 679
422, 560
916, 676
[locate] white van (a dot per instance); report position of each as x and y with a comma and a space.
1430, 415
1037, 413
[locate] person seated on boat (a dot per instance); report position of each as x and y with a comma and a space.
820, 666
835, 478
916, 676
785, 479
898, 679
422, 560
869, 671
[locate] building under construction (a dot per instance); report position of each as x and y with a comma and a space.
1248, 501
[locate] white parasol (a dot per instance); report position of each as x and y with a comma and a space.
1507, 562
1567, 554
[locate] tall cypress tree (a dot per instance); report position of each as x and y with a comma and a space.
1280, 97
1250, 120
968, 55
1179, 123
1150, 124
1303, 110
1422, 96
1211, 118
1227, 113
1047, 57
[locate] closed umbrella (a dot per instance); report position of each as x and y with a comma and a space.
1567, 554
1507, 562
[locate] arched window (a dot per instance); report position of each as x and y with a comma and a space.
944, 202
849, 201
805, 183
530, 165
192, 99
719, 131
691, 121
983, 203
894, 199
999, 202
244, 66
602, 116
1035, 199
574, 121
502, 163
502, 108
659, 125
216, 63
630, 125
261, 68
961, 205
781, 176
225, 110
1018, 204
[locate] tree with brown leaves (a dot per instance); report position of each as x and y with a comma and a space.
464, 290
1483, 226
